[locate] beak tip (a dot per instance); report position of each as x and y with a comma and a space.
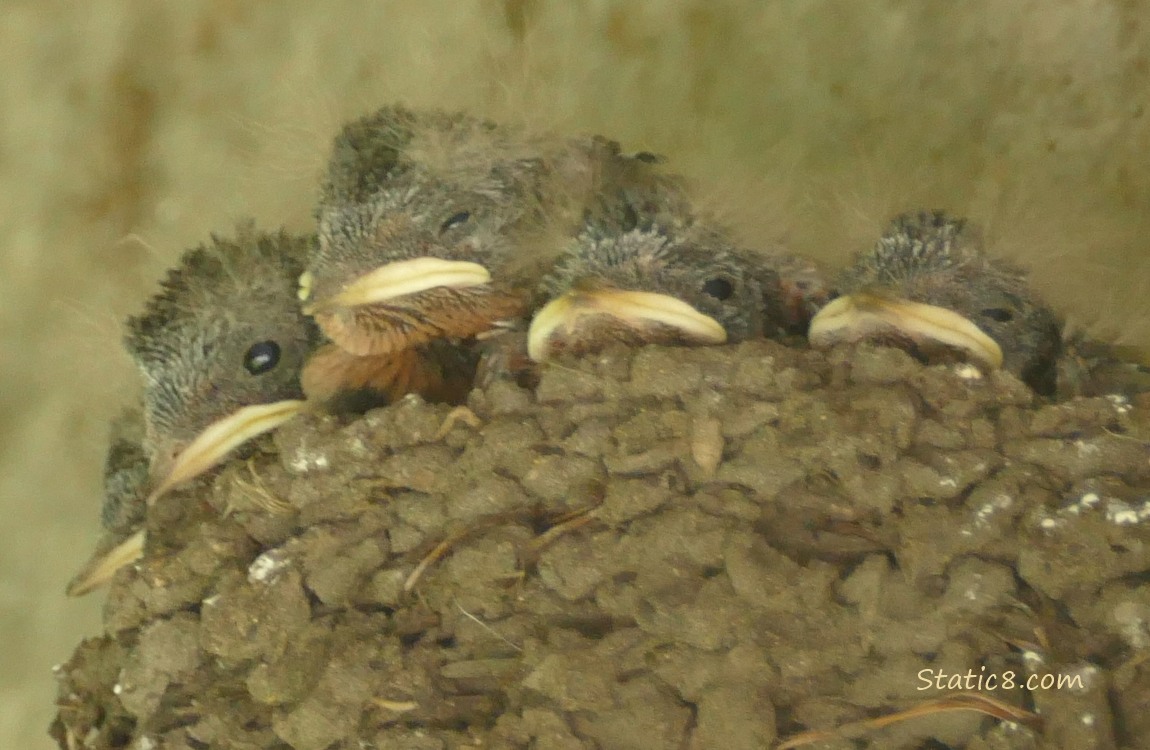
101, 569
537, 349
306, 279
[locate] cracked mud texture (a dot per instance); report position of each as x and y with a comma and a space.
658, 549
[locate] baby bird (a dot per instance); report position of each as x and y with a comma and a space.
225, 352
223, 335
927, 286
685, 284
220, 349
438, 226
226, 355
126, 481
126, 468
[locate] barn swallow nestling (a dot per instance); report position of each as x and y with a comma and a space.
226, 354
463, 223
220, 349
686, 285
927, 286
126, 468
126, 471
127, 493
223, 349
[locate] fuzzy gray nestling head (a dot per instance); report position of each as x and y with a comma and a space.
928, 286
224, 332
465, 217
656, 285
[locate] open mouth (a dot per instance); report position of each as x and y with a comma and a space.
867, 316
210, 447
564, 316
399, 279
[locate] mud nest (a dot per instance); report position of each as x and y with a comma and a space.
657, 549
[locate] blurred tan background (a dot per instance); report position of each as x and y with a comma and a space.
130, 129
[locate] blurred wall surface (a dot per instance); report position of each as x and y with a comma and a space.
130, 129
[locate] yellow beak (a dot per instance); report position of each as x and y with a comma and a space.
210, 447
223, 436
637, 310
399, 279
861, 315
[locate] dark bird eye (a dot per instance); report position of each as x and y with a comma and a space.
262, 357
455, 221
1000, 314
720, 289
